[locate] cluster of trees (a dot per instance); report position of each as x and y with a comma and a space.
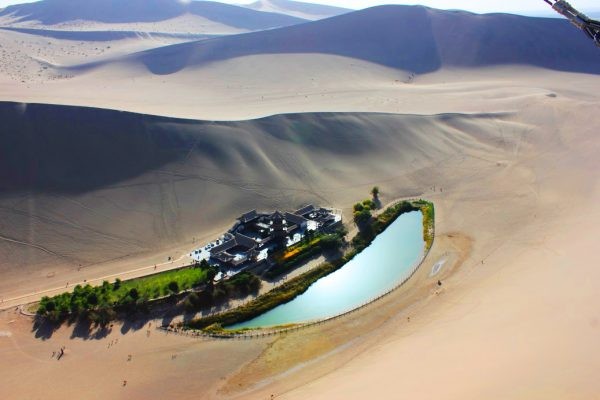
371, 228
363, 212
428, 211
238, 286
100, 303
83, 300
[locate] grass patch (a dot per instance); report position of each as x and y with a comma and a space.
100, 303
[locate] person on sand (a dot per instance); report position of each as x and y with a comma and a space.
124, 383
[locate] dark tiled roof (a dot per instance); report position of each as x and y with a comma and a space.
294, 219
277, 216
305, 210
245, 241
223, 247
249, 216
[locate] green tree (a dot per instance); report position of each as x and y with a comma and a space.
173, 287
361, 218
369, 204
204, 265
211, 274
254, 284
375, 192
331, 242
92, 299
134, 293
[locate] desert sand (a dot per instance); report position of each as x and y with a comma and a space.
518, 192
508, 153
306, 11
368, 61
141, 15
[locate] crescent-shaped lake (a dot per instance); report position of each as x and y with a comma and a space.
387, 262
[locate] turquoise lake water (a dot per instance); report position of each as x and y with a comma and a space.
377, 269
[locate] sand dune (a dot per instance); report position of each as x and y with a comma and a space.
70, 13
104, 36
386, 58
35, 56
494, 119
84, 187
410, 38
298, 9
520, 192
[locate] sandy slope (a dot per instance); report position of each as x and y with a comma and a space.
298, 9
519, 192
33, 59
139, 186
258, 86
186, 23
396, 59
508, 154
124, 14
528, 331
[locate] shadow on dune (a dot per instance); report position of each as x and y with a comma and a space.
84, 329
102, 36
52, 12
396, 37
74, 150
410, 38
135, 323
43, 328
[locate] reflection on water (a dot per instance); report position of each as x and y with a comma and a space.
377, 269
